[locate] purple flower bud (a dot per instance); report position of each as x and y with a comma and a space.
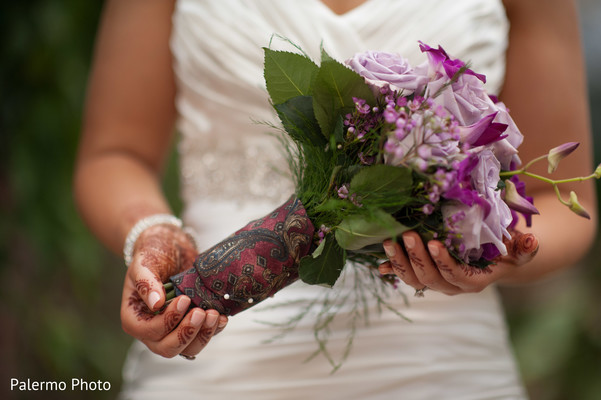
576, 207
558, 153
515, 201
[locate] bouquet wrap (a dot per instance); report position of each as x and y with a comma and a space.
250, 265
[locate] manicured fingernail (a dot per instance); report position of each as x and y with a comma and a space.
196, 318
389, 249
434, 251
212, 319
183, 304
153, 299
409, 241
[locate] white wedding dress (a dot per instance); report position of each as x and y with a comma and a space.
233, 170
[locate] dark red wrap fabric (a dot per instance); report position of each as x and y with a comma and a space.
252, 264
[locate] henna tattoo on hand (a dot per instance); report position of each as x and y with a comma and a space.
171, 321
470, 271
205, 335
165, 250
185, 334
143, 287
141, 310
398, 268
521, 248
415, 260
445, 268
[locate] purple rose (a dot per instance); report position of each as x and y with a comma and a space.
380, 69
485, 177
467, 100
476, 229
464, 224
485, 220
485, 174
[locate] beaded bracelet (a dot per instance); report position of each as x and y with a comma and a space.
141, 226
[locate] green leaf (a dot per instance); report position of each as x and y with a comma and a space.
325, 268
325, 56
288, 75
381, 179
358, 231
299, 120
333, 89
384, 187
317, 252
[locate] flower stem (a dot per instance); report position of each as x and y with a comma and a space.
545, 179
554, 182
169, 291
535, 160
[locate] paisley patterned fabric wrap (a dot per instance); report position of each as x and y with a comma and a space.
252, 264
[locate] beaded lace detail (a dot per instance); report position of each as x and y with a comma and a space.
242, 171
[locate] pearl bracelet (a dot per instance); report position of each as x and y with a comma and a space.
141, 226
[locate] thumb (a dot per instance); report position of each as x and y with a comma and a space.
148, 285
521, 248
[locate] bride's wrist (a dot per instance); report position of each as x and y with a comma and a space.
167, 226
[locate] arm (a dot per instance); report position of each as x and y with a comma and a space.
546, 93
127, 129
545, 90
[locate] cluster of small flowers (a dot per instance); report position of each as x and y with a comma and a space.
437, 185
362, 121
322, 232
343, 193
453, 236
420, 133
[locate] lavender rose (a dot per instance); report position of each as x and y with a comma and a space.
468, 101
480, 226
380, 69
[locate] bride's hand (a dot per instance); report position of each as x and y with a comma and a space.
431, 266
160, 252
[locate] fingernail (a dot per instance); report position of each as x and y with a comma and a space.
385, 269
389, 249
434, 251
153, 299
212, 319
183, 304
409, 241
222, 323
196, 318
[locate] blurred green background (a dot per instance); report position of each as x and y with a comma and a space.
59, 301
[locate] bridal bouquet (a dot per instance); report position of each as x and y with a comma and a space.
378, 147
